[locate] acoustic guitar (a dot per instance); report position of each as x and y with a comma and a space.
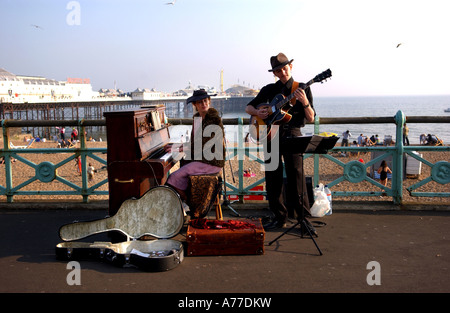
278, 108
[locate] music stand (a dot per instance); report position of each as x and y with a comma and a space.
306, 144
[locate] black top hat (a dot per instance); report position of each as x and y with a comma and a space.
278, 61
198, 95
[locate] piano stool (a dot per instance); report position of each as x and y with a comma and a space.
203, 192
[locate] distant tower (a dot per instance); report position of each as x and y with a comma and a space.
221, 80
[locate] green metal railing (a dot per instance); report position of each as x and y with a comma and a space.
352, 171
355, 171
47, 172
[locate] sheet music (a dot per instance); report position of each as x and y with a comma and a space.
156, 120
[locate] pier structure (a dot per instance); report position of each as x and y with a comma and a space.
176, 107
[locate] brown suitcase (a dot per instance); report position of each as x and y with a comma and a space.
232, 237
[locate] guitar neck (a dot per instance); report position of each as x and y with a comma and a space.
288, 99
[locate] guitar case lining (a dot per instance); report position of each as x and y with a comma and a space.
158, 213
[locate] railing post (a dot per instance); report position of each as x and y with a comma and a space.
84, 181
316, 156
240, 155
8, 172
397, 158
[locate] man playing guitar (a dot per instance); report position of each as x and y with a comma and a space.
301, 111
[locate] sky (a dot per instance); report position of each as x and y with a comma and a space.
149, 44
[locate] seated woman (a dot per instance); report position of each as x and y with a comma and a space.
205, 153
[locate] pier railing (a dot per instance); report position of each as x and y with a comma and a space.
351, 172
47, 172
356, 172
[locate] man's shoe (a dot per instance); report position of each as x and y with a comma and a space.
274, 225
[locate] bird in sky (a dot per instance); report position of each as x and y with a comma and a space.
171, 3
399, 45
36, 26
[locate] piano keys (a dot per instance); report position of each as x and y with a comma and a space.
137, 160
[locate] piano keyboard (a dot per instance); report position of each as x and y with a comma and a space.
166, 156
161, 155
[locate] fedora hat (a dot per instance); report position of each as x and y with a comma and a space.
278, 61
198, 95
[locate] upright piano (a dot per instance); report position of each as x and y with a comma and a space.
136, 157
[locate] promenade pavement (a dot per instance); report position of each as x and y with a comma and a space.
411, 250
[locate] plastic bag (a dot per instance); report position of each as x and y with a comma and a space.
321, 204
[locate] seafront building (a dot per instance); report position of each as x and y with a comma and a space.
34, 89
21, 89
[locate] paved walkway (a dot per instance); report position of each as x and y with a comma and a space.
411, 250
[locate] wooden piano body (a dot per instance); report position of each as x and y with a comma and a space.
136, 158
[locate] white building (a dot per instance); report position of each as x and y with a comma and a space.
189, 90
21, 89
145, 94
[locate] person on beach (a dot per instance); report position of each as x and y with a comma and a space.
301, 112
205, 152
405, 135
354, 144
383, 170
345, 136
74, 135
360, 140
90, 172
78, 164
423, 139
62, 131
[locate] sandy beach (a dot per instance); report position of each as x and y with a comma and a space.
328, 170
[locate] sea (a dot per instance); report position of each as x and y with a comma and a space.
382, 106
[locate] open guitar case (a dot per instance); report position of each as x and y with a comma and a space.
158, 214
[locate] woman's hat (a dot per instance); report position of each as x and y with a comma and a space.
198, 95
278, 61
